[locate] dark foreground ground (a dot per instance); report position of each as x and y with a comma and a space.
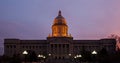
104, 57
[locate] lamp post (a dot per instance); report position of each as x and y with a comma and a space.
39, 56
49, 59
69, 57
94, 53
25, 53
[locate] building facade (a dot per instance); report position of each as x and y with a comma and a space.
59, 44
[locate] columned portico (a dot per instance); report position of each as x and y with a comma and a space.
59, 47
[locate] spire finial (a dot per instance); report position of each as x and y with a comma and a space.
59, 14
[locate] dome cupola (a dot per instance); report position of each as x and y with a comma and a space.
59, 27
59, 20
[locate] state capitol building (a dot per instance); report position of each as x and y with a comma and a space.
59, 44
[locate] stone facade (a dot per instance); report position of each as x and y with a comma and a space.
58, 47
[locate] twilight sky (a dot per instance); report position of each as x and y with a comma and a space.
32, 19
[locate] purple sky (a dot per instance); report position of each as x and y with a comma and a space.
32, 19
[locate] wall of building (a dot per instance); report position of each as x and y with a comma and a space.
58, 47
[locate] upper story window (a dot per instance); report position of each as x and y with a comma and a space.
14, 46
7, 46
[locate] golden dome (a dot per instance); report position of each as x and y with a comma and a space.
59, 27
59, 20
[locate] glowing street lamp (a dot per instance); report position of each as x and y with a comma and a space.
49, 54
94, 52
78, 56
75, 57
44, 57
25, 52
41, 56
69, 54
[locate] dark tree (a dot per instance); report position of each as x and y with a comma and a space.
103, 56
103, 52
15, 59
32, 56
86, 55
